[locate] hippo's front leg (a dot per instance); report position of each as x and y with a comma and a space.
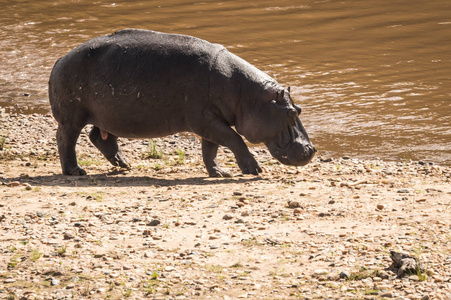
219, 133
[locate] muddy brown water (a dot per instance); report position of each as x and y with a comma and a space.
373, 77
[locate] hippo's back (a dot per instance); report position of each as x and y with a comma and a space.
135, 72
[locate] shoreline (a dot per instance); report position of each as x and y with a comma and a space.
164, 230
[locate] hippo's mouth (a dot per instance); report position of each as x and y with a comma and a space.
292, 147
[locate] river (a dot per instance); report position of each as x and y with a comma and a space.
373, 77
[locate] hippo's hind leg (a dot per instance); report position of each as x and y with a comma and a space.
67, 139
108, 147
209, 151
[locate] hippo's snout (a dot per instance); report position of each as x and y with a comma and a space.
294, 154
299, 154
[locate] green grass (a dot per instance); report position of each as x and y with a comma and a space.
363, 273
86, 161
2, 142
153, 151
62, 250
181, 157
13, 261
35, 255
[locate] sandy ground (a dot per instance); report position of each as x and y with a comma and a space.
164, 230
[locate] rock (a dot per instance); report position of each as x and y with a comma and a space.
345, 275
27, 186
381, 206
154, 223
70, 286
384, 275
320, 272
405, 264
55, 282
13, 184
386, 295
403, 191
227, 217
297, 211
99, 254
293, 204
68, 235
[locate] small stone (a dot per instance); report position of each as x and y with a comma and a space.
297, 211
9, 280
293, 204
320, 272
147, 232
403, 191
13, 184
227, 217
55, 282
70, 286
68, 236
27, 186
99, 254
386, 295
214, 246
154, 223
345, 275
384, 275
380, 206
169, 269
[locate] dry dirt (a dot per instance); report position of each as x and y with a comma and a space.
164, 230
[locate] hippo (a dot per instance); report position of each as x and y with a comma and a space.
145, 84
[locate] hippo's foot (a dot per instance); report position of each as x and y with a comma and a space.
219, 172
119, 160
249, 166
75, 172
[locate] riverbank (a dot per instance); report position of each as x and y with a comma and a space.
164, 230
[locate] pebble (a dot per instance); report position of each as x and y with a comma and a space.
55, 282
381, 206
227, 217
293, 204
154, 223
112, 251
345, 275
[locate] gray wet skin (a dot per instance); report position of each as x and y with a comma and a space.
147, 84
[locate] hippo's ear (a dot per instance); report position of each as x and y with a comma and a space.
279, 96
289, 89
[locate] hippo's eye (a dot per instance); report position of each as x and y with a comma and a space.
293, 113
298, 109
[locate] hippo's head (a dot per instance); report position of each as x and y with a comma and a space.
274, 121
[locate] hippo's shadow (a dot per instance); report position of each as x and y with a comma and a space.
107, 180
